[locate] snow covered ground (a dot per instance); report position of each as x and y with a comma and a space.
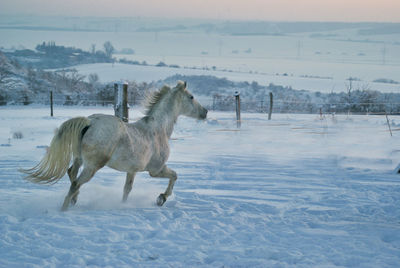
294, 191
115, 72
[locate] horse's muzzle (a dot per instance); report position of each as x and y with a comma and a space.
203, 114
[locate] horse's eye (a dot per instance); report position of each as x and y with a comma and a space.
191, 97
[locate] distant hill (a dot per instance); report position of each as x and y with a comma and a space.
25, 85
140, 24
51, 56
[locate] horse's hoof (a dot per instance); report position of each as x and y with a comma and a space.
161, 200
74, 199
65, 204
64, 208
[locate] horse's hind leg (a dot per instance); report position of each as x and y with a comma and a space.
86, 174
72, 173
128, 185
165, 173
73, 170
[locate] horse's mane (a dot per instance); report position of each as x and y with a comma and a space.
153, 98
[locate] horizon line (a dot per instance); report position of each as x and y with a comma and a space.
196, 18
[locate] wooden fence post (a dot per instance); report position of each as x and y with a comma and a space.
387, 120
238, 119
125, 111
116, 100
271, 103
121, 101
51, 103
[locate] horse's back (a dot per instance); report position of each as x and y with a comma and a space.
105, 119
105, 126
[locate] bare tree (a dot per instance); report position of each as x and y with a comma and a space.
109, 49
349, 88
138, 91
31, 78
75, 79
93, 79
4, 68
93, 49
4, 73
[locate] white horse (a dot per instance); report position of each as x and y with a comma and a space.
104, 140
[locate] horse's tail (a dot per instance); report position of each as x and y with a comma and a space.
65, 143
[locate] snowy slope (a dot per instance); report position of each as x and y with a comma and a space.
114, 72
294, 191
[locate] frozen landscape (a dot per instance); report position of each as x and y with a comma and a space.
298, 190
314, 57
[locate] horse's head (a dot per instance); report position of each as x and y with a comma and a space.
189, 106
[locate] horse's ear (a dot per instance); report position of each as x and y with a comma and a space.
181, 85
185, 84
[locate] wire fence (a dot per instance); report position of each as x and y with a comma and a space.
309, 107
247, 105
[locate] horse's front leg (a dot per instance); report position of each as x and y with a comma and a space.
165, 173
128, 185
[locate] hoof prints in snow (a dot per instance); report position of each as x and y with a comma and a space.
290, 204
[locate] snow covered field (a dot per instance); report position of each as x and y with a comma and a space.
115, 72
293, 191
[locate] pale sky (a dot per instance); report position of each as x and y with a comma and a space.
281, 10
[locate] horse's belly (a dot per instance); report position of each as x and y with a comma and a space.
127, 162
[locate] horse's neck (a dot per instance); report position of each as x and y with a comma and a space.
163, 118
164, 122
167, 125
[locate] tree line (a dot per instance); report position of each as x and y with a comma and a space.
48, 55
